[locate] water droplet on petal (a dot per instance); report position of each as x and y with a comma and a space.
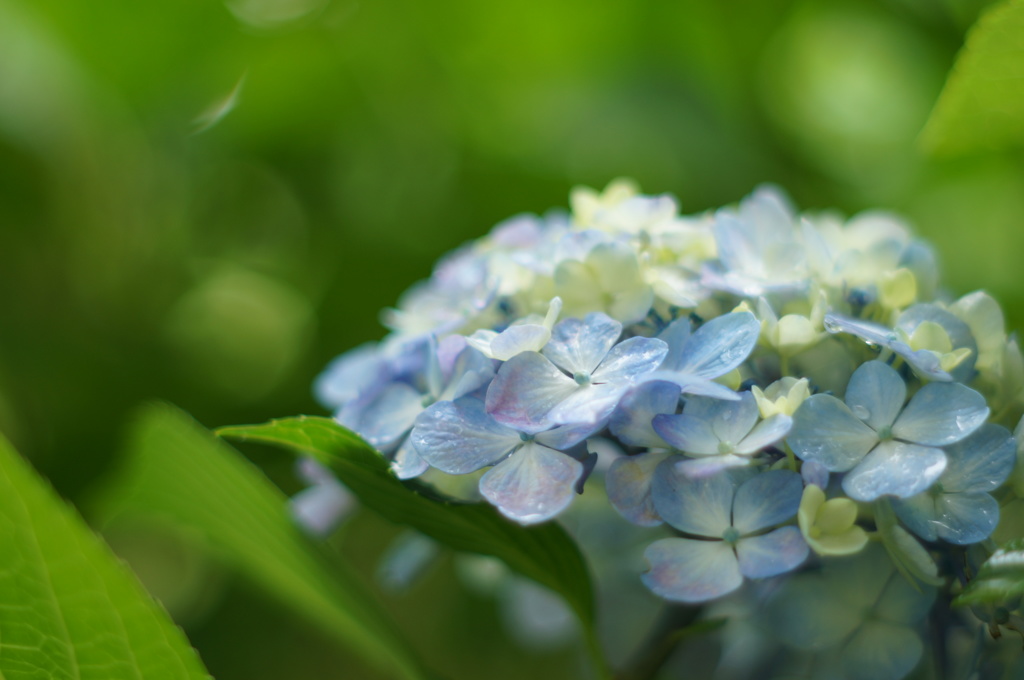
861, 412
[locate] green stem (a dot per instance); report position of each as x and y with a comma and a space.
660, 643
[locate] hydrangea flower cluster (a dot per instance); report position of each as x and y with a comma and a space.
763, 385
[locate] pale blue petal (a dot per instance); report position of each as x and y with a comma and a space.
684, 570
628, 484
675, 335
471, 371
814, 473
766, 499
765, 433
387, 419
826, 431
588, 404
919, 514
712, 465
532, 485
895, 469
631, 421
719, 346
874, 333
567, 436
349, 376
697, 506
407, 462
579, 346
965, 518
526, 388
459, 437
881, 651
686, 433
693, 385
320, 508
924, 362
522, 338
771, 554
876, 394
981, 462
731, 421
630, 360
941, 414
435, 380
959, 333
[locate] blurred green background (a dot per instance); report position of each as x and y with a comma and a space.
204, 201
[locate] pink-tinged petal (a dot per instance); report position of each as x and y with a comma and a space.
579, 346
525, 390
687, 433
702, 507
771, 554
941, 414
684, 570
765, 434
630, 360
532, 485
631, 421
826, 431
458, 437
895, 469
628, 483
876, 394
766, 499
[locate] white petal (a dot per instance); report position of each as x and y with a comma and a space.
533, 484
895, 469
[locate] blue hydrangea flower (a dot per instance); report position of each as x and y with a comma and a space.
732, 509
719, 434
961, 354
321, 506
885, 448
578, 378
452, 370
531, 481
958, 508
628, 485
695, 359
859, 614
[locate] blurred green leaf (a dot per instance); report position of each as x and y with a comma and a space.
176, 471
982, 104
544, 553
1000, 579
69, 608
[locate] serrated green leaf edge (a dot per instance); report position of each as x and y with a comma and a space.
973, 111
1000, 578
177, 471
544, 553
68, 608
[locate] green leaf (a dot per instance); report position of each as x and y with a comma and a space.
544, 553
982, 104
1000, 579
176, 471
68, 607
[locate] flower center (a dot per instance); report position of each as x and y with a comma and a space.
725, 447
731, 535
885, 433
582, 378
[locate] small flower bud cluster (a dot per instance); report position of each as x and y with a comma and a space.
770, 387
